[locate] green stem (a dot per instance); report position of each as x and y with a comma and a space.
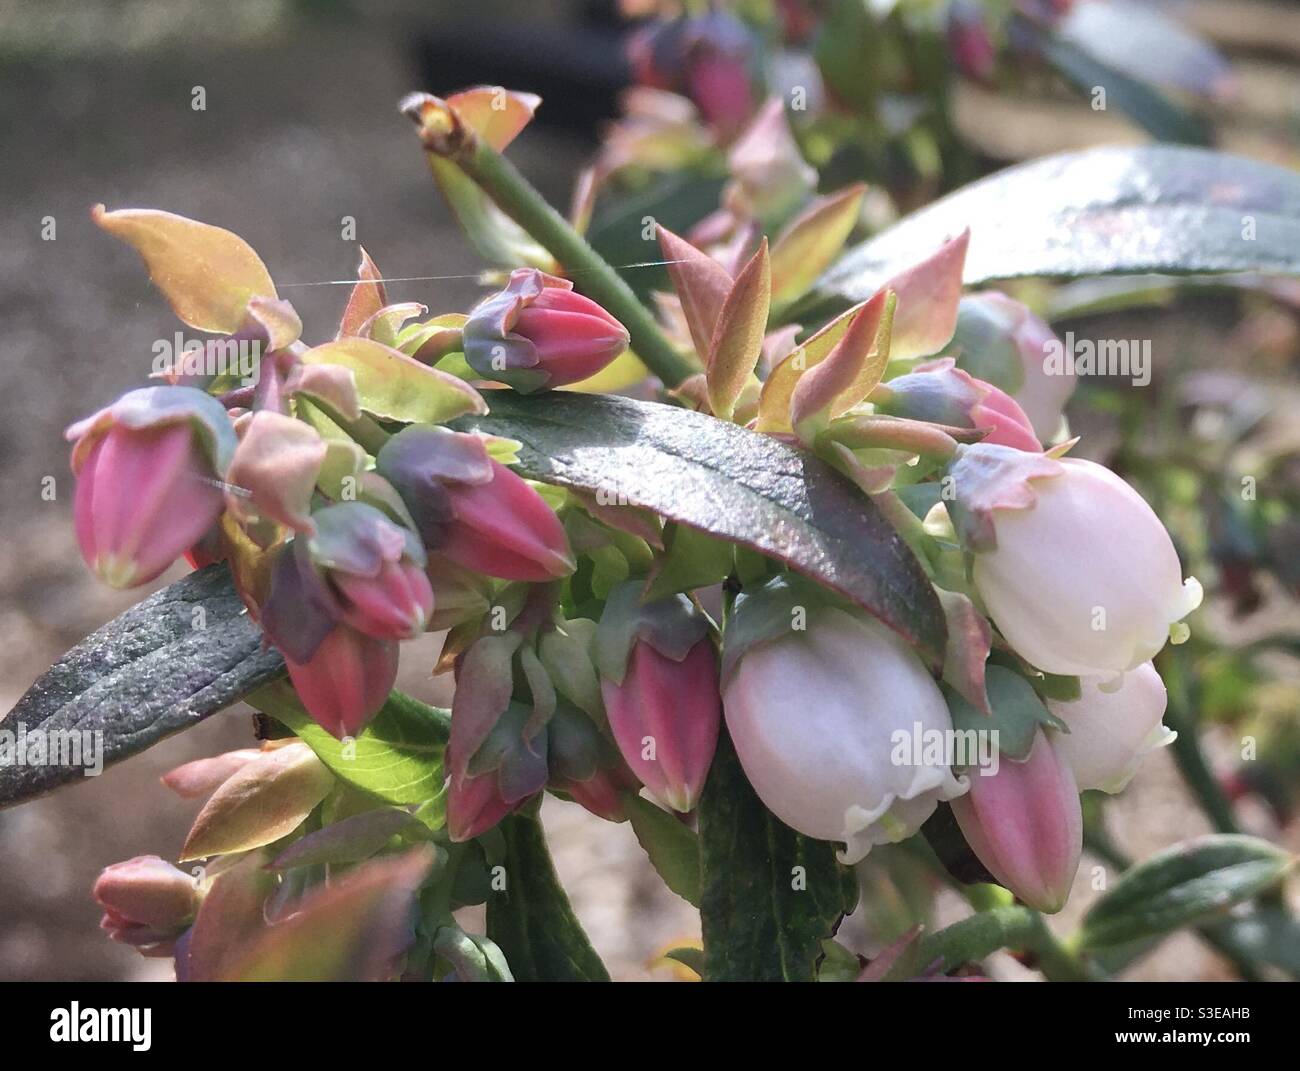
517, 198
1187, 751
1016, 927
909, 526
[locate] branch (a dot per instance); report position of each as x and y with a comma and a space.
444, 135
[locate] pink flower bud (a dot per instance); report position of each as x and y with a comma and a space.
999, 340
665, 717
504, 528
705, 57
144, 496
147, 470
943, 394
146, 901
475, 805
969, 43
573, 336
395, 604
1113, 727
720, 86
1025, 825
602, 794
537, 334
346, 681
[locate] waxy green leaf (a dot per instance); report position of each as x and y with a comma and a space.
167, 663
673, 849
1148, 208
1184, 884
531, 919
731, 483
1140, 101
769, 896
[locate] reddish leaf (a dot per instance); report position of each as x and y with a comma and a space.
366, 299
850, 370
969, 640
260, 803
496, 114
274, 470
738, 336
702, 286
928, 295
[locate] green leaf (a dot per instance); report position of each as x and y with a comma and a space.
1143, 103
398, 758
808, 243
1182, 885
1016, 712
395, 386
674, 850
692, 560
1268, 935
531, 919
1140, 39
690, 958
1116, 210
166, 664
731, 483
349, 840
769, 896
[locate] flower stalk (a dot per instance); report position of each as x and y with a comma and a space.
444, 135
1004, 927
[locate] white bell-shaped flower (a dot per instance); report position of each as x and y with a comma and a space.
1085, 580
822, 720
1111, 731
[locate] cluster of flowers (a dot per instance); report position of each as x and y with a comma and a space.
715, 59
353, 518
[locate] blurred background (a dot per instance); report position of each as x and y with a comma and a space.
300, 131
